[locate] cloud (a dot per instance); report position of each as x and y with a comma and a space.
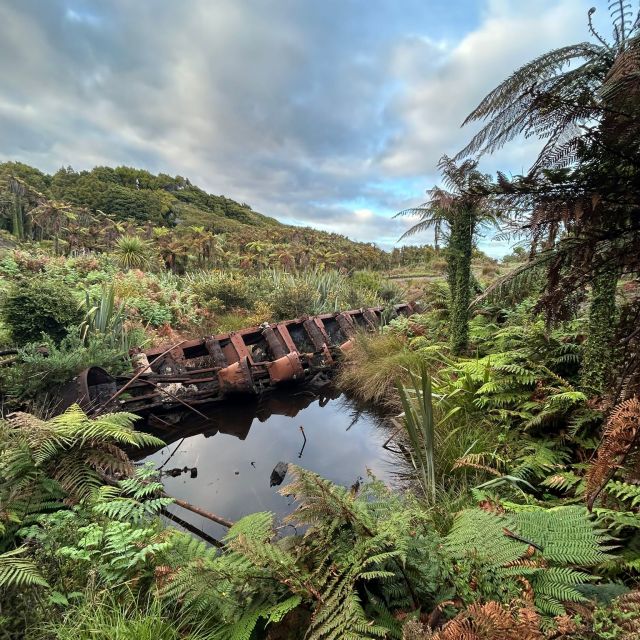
332, 113
439, 94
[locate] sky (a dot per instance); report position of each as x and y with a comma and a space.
326, 113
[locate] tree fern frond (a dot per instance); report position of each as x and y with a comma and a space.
16, 571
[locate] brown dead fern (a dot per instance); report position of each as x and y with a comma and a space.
495, 621
492, 621
619, 439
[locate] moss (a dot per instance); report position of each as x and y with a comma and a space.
598, 360
460, 250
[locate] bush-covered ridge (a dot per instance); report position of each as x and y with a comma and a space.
80, 210
129, 193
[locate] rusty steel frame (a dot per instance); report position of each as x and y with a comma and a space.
212, 368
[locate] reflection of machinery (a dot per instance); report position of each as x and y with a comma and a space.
217, 368
235, 417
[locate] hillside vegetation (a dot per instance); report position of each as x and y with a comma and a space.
512, 400
79, 211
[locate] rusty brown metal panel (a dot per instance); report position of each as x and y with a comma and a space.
320, 325
346, 325
275, 345
213, 347
314, 333
346, 346
283, 332
239, 345
229, 352
371, 318
289, 367
236, 378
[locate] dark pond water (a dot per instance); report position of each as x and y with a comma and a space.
236, 450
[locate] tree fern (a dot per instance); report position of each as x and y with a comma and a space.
547, 547
46, 461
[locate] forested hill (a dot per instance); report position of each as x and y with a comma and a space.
136, 194
79, 211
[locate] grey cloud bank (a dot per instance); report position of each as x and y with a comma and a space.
330, 114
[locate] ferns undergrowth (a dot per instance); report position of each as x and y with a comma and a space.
507, 449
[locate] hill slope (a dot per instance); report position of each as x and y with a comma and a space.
136, 194
106, 202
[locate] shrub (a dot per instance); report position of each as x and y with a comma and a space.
36, 373
373, 366
219, 290
152, 312
132, 252
389, 292
367, 280
36, 306
292, 298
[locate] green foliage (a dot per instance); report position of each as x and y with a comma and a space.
117, 551
619, 619
547, 547
291, 297
374, 364
103, 616
598, 362
39, 306
46, 461
39, 373
104, 322
109, 208
219, 290
625, 492
16, 571
418, 420
132, 252
350, 568
134, 499
152, 312
460, 246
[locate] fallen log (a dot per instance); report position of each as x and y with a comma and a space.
201, 512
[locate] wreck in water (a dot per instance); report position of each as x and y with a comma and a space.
214, 368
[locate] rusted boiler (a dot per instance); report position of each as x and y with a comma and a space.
210, 369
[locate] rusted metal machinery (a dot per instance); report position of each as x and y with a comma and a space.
213, 368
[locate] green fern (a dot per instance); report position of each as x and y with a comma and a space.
46, 462
134, 499
547, 547
361, 558
626, 492
16, 571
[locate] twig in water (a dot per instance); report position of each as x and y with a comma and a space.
192, 529
171, 456
304, 444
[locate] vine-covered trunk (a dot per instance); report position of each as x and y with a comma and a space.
460, 249
18, 218
452, 263
598, 353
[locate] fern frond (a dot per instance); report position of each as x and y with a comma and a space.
619, 438
16, 571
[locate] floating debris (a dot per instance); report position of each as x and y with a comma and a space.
278, 474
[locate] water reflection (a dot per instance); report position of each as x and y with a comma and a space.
237, 451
